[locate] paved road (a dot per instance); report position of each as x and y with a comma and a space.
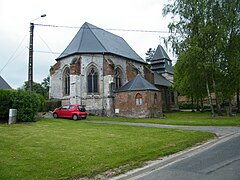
216, 160
221, 162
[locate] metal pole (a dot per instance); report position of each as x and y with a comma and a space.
30, 64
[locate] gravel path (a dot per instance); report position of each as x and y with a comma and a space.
218, 130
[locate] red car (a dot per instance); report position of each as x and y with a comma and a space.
72, 111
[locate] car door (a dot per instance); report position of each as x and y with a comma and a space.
71, 111
63, 112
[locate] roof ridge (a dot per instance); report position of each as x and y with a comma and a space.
81, 38
95, 34
98, 40
133, 81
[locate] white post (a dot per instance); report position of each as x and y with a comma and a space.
12, 116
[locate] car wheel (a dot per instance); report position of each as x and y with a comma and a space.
75, 117
55, 115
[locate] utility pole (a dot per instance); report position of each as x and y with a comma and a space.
30, 63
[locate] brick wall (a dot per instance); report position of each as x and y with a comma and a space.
108, 68
131, 71
75, 66
148, 74
125, 103
55, 67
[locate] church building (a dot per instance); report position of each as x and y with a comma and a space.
94, 70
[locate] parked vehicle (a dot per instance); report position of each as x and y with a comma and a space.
72, 111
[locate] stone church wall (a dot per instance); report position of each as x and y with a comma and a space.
103, 102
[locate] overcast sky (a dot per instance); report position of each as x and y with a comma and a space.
49, 42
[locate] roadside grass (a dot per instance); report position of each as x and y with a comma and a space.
65, 149
179, 118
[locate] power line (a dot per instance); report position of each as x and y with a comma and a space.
12, 56
133, 30
47, 52
46, 45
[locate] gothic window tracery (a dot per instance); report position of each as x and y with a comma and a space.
66, 82
118, 78
92, 80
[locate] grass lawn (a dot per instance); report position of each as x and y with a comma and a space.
66, 149
180, 118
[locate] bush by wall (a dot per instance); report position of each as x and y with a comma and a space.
5, 103
27, 104
50, 105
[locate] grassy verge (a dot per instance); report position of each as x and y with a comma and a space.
180, 118
63, 149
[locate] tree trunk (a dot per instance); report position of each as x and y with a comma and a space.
202, 107
230, 107
192, 105
238, 103
210, 100
198, 109
216, 97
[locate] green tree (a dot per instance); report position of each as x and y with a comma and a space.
208, 28
40, 88
188, 79
46, 83
149, 54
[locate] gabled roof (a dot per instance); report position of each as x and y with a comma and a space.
137, 84
161, 81
160, 53
3, 84
91, 39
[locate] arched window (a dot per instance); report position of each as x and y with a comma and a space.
66, 82
138, 99
118, 78
92, 80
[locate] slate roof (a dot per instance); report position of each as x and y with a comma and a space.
160, 53
161, 81
91, 39
3, 84
161, 61
137, 84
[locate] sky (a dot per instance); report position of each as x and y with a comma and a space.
49, 42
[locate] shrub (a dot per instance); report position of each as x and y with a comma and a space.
41, 102
6, 103
187, 106
27, 104
50, 105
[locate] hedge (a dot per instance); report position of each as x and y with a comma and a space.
5, 104
27, 104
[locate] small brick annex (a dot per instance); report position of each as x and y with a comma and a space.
138, 98
140, 104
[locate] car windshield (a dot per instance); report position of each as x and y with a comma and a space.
81, 108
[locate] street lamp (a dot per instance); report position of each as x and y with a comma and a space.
30, 63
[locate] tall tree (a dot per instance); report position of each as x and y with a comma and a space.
40, 88
210, 27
